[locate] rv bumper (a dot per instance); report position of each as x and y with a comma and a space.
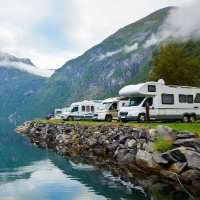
127, 118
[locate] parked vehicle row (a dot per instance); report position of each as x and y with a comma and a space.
165, 102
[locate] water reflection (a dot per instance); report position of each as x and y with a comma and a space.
30, 173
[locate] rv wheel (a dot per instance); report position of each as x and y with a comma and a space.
192, 118
185, 118
141, 118
70, 118
109, 118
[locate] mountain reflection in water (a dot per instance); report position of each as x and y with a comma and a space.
30, 173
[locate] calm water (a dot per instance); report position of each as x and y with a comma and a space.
28, 173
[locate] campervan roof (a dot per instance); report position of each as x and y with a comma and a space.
137, 90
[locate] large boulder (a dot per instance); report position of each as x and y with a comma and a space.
193, 158
145, 161
166, 133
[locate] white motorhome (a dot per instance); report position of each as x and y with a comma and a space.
165, 102
58, 112
109, 109
81, 110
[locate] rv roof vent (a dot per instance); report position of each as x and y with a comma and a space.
161, 81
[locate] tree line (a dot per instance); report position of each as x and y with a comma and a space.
177, 64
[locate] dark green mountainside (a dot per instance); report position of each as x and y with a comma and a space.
15, 84
100, 72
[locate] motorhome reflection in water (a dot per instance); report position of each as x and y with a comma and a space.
166, 102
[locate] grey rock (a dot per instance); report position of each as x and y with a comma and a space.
185, 134
166, 133
158, 158
145, 161
152, 135
177, 167
197, 144
184, 142
127, 159
193, 158
189, 175
130, 143
174, 156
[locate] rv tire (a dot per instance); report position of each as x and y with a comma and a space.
141, 118
185, 119
192, 118
70, 118
109, 118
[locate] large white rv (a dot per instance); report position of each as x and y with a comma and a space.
165, 102
81, 110
109, 109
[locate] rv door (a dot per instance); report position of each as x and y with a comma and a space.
149, 101
75, 112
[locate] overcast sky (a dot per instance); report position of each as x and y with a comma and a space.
51, 32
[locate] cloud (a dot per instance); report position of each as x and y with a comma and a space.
28, 68
51, 32
125, 49
181, 24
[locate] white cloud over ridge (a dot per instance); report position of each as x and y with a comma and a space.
182, 24
125, 49
28, 68
51, 32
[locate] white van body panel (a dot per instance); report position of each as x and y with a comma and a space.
167, 102
81, 110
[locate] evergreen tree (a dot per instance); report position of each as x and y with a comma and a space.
176, 64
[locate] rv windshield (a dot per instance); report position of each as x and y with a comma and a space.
134, 101
104, 106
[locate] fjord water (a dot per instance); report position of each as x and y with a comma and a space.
29, 173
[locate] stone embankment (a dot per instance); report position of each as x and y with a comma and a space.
126, 150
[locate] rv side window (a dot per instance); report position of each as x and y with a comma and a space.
182, 98
75, 109
190, 98
151, 88
58, 112
92, 108
197, 98
88, 108
167, 98
83, 108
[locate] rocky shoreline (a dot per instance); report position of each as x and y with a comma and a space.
126, 151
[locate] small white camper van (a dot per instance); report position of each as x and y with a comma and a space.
59, 111
165, 102
81, 110
109, 109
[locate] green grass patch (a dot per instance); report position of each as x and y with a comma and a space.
162, 145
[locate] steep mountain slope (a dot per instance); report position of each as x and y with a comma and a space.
101, 71
15, 84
